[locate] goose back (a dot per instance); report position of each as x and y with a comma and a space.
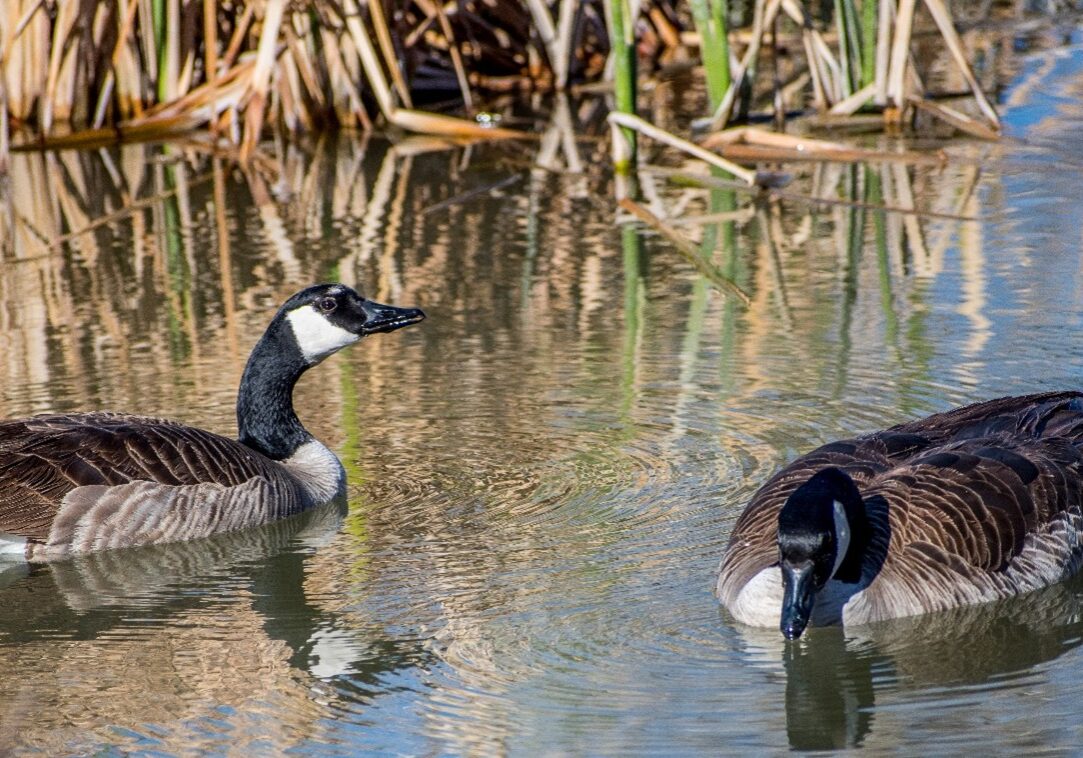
82, 482
965, 506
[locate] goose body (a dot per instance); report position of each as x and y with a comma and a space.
77, 483
975, 504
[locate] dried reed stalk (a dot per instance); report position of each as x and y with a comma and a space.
269, 63
752, 144
383, 36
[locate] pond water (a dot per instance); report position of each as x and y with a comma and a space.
543, 475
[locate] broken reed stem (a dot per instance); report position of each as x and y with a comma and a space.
210, 39
369, 62
751, 143
960, 121
942, 16
563, 45
456, 57
556, 39
261, 75
763, 18
900, 54
652, 131
5, 144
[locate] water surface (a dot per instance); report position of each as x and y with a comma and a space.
543, 474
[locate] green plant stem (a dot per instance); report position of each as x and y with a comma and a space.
851, 50
624, 74
710, 17
869, 22
158, 11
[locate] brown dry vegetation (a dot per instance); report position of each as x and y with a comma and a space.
85, 71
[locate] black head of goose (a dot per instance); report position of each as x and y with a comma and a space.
78, 483
976, 504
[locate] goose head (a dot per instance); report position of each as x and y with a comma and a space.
313, 324
816, 527
327, 317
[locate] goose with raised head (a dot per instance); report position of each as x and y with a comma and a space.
975, 504
78, 483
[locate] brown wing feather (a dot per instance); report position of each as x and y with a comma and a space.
1026, 415
980, 499
45, 457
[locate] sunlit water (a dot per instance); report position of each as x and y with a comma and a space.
543, 475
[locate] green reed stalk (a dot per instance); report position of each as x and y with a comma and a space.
158, 20
851, 52
710, 17
869, 22
176, 269
622, 33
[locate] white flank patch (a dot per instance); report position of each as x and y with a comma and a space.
12, 547
316, 336
842, 535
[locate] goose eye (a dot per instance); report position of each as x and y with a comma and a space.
327, 304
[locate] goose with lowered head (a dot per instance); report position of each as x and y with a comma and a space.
78, 483
972, 505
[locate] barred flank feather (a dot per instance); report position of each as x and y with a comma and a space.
84, 482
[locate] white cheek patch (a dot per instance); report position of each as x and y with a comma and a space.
316, 336
842, 535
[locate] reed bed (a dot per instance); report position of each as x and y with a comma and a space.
86, 71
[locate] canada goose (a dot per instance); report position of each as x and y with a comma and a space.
77, 483
962, 507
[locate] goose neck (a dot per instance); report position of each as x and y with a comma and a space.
266, 420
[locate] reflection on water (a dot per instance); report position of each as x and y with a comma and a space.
950, 660
543, 476
156, 635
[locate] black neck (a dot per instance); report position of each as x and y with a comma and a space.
266, 420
